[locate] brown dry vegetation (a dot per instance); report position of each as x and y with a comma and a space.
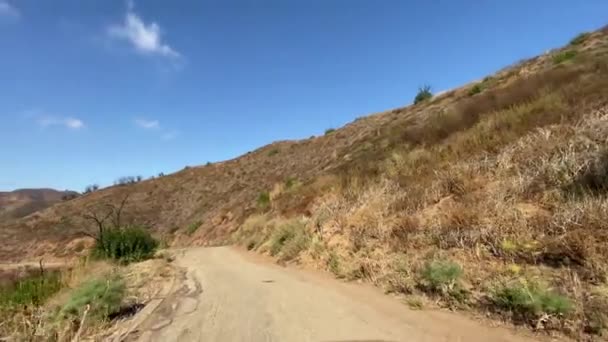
493, 199
496, 201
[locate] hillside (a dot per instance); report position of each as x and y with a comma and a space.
22, 202
491, 196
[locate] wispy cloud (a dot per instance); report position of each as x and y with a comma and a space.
145, 38
68, 122
154, 125
169, 135
6, 9
147, 124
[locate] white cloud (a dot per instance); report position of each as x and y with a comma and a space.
68, 122
9, 10
73, 123
147, 124
146, 38
154, 125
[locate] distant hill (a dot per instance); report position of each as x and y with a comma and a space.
22, 202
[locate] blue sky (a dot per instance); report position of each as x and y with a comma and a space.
94, 90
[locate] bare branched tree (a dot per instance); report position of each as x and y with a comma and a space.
103, 217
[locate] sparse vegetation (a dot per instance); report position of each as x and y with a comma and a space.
415, 303
91, 188
329, 131
334, 265
424, 94
580, 39
564, 56
193, 227
476, 89
264, 200
273, 152
128, 180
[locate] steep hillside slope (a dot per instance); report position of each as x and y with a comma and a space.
22, 202
491, 196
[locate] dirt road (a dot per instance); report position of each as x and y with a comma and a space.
230, 296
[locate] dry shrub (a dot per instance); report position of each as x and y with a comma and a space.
289, 238
370, 217
457, 227
503, 127
400, 278
416, 159
468, 112
520, 91
579, 235
402, 235
595, 315
593, 177
371, 266
570, 249
254, 231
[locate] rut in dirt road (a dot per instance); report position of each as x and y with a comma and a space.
226, 296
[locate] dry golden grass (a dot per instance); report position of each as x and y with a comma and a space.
509, 183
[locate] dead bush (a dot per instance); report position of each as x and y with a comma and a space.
457, 227
400, 235
593, 178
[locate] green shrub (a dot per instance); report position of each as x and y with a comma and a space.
126, 244
30, 291
193, 227
441, 275
424, 93
476, 89
264, 200
581, 38
273, 152
530, 300
564, 56
329, 131
290, 182
104, 296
